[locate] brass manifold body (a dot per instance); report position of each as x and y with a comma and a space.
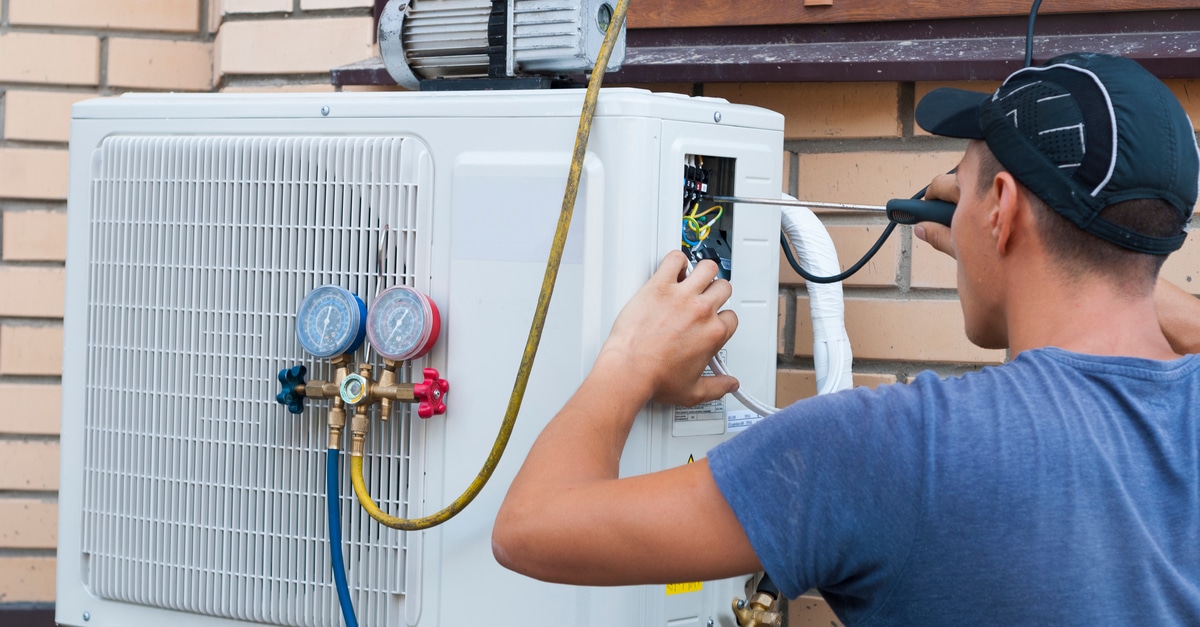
758, 612
360, 390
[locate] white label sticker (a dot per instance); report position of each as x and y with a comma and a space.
741, 420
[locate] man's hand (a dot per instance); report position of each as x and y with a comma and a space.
669, 330
943, 187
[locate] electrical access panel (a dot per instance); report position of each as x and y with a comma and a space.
199, 223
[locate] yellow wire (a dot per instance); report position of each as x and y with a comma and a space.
539, 316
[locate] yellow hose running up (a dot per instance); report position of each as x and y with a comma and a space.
539, 316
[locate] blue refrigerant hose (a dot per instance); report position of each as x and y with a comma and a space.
333, 499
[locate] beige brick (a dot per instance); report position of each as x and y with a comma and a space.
909, 330
870, 177
852, 242
162, 15
819, 110
31, 350
1183, 266
256, 6
1188, 93
28, 524
793, 385
41, 58
932, 268
39, 115
787, 172
32, 292
30, 409
985, 87
160, 64
293, 46
810, 610
279, 89
28, 465
313, 5
34, 173
34, 236
26, 579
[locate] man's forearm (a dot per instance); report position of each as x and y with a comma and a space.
1178, 316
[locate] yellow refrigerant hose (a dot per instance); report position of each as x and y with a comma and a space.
539, 316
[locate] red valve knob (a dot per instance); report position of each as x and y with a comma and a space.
432, 394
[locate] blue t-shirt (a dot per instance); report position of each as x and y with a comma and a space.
1058, 489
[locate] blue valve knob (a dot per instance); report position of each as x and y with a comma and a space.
289, 379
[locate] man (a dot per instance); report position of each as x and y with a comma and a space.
1060, 488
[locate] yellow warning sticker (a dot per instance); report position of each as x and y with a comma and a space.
691, 459
684, 588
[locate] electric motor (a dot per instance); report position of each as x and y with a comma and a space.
427, 39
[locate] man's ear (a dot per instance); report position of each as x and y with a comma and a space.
1007, 212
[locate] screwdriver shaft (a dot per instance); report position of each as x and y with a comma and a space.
799, 203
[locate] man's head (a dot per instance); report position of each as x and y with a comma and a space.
1083, 132
1102, 152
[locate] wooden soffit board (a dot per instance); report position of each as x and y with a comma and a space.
698, 13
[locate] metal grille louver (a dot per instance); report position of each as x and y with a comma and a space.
201, 493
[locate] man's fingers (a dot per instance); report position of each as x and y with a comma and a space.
943, 187
936, 235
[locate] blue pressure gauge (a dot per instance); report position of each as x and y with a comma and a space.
330, 322
403, 324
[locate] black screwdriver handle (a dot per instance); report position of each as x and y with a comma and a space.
906, 211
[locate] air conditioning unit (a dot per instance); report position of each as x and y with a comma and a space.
198, 224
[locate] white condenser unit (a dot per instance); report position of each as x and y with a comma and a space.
199, 223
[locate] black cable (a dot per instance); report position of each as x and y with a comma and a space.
1029, 33
787, 250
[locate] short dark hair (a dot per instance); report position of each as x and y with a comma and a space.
1081, 252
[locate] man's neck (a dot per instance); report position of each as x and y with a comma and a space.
1085, 315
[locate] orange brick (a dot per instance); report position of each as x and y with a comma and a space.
39, 115
28, 524
909, 330
32, 292
1188, 93
30, 409
793, 385
175, 15
26, 579
160, 64
870, 177
852, 242
985, 87
293, 46
31, 350
819, 110
34, 236
863, 380
256, 6
932, 268
28, 465
313, 5
34, 173
1183, 266
41, 58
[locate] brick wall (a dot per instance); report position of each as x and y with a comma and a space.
54, 53
851, 142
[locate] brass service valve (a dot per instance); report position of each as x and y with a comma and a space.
757, 612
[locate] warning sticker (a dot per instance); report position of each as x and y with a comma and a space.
684, 588
712, 410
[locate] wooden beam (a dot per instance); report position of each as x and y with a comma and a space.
692, 13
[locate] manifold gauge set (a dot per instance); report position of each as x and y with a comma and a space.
403, 323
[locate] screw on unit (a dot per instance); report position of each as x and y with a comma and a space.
717, 117
325, 110
87, 616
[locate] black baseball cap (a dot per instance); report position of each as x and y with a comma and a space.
1083, 131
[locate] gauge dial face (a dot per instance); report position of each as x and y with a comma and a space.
403, 324
330, 322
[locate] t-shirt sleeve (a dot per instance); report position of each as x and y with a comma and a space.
828, 490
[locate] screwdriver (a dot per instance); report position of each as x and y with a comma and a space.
898, 210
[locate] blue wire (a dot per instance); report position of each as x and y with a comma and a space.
335, 536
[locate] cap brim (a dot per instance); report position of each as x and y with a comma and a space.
951, 112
